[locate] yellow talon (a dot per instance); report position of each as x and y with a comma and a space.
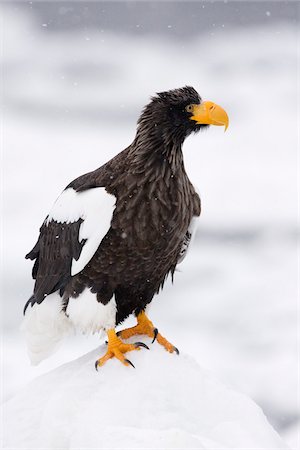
116, 349
146, 327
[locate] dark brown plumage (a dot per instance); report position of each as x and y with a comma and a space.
155, 203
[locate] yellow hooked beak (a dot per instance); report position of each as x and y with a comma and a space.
208, 113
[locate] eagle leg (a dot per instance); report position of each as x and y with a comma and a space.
146, 327
117, 348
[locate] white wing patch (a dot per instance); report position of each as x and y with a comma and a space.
188, 239
190, 235
95, 207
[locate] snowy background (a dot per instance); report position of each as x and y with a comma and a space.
74, 79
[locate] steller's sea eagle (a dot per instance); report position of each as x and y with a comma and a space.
114, 234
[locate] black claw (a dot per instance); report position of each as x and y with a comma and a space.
106, 342
176, 350
96, 365
129, 362
118, 333
155, 331
141, 344
26, 306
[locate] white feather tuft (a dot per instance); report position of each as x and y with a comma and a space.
44, 327
90, 316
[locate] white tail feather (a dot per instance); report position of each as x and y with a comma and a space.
44, 327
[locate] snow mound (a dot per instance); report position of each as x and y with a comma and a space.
167, 402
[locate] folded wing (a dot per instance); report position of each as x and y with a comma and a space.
191, 231
69, 237
188, 239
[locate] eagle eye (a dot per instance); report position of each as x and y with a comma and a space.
189, 108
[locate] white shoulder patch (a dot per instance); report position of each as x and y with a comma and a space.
95, 207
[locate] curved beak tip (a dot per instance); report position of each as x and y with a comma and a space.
211, 114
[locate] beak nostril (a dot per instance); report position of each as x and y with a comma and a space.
212, 107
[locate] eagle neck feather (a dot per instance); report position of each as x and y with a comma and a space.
156, 155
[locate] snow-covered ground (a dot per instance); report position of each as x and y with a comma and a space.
71, 102
166, 403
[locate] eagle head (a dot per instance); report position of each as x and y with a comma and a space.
175, 114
